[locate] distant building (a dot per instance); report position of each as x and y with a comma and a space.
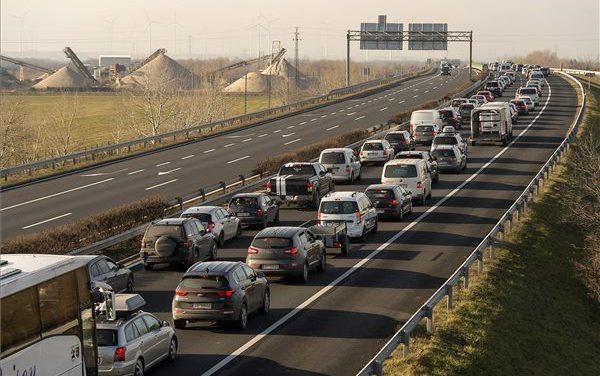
105, 60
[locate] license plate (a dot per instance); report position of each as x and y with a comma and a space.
380, 211
289, 197
201, 305
243, 214
270, 267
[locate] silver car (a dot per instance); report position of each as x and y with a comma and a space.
450, 158
135, 342
376, 151
217, 220
104, 269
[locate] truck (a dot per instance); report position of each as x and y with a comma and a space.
302, 183
490, 124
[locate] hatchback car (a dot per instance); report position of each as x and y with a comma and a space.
134, 343
353, 208
400, 141
528, 101
453, 138
390, 201
465, 112
379, 151
456, 102
104, 269
487, 94
222, 291
425, 133
342, 163
450, 158
287, 251
254, 209
481, 99
216, 220
494, 87
177, 241
521, 106
450, 116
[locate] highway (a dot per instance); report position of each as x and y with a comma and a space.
184, 169
336, 322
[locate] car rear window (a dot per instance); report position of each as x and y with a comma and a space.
272, 242
203, 282
400, 171
446, 114
527, 91
445, 141
202, 217
443, 153
297, 170
243, 202
107, 337
466, 107
378, 194
422, 116
172, 231
394, 137
457, 102
492, 84
334, 157
518, 102
372, 146
425, 128
338, 207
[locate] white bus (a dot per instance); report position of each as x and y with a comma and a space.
47, 323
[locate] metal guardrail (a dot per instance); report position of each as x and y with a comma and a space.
574, 71
493, 238
200, 129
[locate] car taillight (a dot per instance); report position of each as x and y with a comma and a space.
419, 185
120, 354
309, 186
259, 212
225, 293
393, 201
181, 293
360, 154
269, 186
403, 141
211, 226
357, 213
292, 251
385, 152
252, 251
452, 158
348, 169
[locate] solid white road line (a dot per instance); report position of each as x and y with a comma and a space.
239, 159
330, 128
46, 221
262, 135
360, 117
162, 164
161, 184
362, 262
383, 109
228, 145
288, 135
168, 172
188, 157
291, 142
208, 151
56, 194
246, 140
136, 172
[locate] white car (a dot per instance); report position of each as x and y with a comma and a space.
217, 220
531, 92
376, 151
528, 101
353, 208
342, 163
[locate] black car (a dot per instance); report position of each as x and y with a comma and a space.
494, 87
390, 201
223, 291
400, 141
177, 241
254, 209
104, 269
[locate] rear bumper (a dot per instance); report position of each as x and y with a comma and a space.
374, 159
226, 314
251, 220
176, 258
118, 369
447, 166
389, 212
294, 198
294, 269
342, 177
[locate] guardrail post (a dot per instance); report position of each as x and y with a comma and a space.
180, 202
223, 185
492, 250
508, 223
466, 277
54, 163
202, 193
429, 319
378, 368
129, 148
405, 340
449, 303
479, 262
30, 171
243, 180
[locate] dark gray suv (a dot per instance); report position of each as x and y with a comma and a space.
177, 241
286, 251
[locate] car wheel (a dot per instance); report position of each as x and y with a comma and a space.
139, 368
363, 236
410, 208
436, 179
423, 199
266, 304
345, 247
172, 350
148, 266
242, 321
221, 240
213, 251
238, 232
464, 168
129, 288
304, 275
179, 324
264, 223
401, 212
375, 227
323, 262
352, 178
276, 220
359, 174
315, 202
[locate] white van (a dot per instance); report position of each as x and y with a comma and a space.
505, 107
424, 117
352, 208
530, 92
504, 67
410, 174
342, 163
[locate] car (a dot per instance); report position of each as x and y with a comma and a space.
545, 71
453, 138
474, 102
494, 88
425, 133
502, 84
353, 208
302, 183
223, 291
400, 140
536, 74
424, 117
450, 116
465, 112
521, 106
528, 101
426, 156
539, 81
104, 269
411, 174
341, 163
177, 241
505, 81
376, 151
456, 102
216, 220
481, 99
530, 92
511, 74
514, 113
287, 251
508, 78
390, 201
450, 158
254, 209
135, 342
487, 94
536, 86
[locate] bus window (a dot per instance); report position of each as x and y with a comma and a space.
21, 308
59, 306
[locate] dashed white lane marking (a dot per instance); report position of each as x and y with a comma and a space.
290, 127
161, 184
426, 91
246, 140
333, 113
414, 96
238, 159
350, 113
188, 156
136, 172
323, 116
342, 110
277, 131
262, 135
360, 117
314, 119
401, 102
334, 127
46, 221
228, 145
168, 172
392, 99
208, 151
162, 164
302, 123
291, 142
363, 103
349, 108
435, 87
383, 109
288, 135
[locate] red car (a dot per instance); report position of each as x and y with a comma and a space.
487, 94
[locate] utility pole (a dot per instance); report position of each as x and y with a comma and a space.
190, 45
296, 59
348, 58
246, 93
471, 56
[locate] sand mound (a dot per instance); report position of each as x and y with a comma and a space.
161, 70
258, 83
64, 78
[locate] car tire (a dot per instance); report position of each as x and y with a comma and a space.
276, 220
322, 262
352, 178
345, 247
436, 179
266, 303
213, 252
172, 350
242, 321
314, 204
221, 239
138, 369
238, 231
401, 213
129, 288
363, 236
148, 267
473, 143
375, 227
359, 177
410, 209
179, 324
304, 275
423, 200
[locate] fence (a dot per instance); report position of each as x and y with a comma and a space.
198, 130
495, 236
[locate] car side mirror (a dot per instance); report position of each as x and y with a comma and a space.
165, 323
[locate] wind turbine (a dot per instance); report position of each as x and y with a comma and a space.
110, 22
20, 18
176, 25
149, 27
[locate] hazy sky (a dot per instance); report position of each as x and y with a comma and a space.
237, 27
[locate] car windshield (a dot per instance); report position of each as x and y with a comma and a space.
243, 202
425, 128
394, 137
422, 116
445, 153
378, 194
466, 107
202, 217
203, 282
372, 146
333, 157
297, 170
172, 231
445, 141
400, 171
107, 337
272, 242
338, 207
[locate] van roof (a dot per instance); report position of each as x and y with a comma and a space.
405, 161
340, 194
336, 150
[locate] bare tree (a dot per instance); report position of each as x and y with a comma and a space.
60, 125
12, 119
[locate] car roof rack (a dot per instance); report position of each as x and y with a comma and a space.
127, 305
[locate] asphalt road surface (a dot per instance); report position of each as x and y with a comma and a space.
339, 319
185, 169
